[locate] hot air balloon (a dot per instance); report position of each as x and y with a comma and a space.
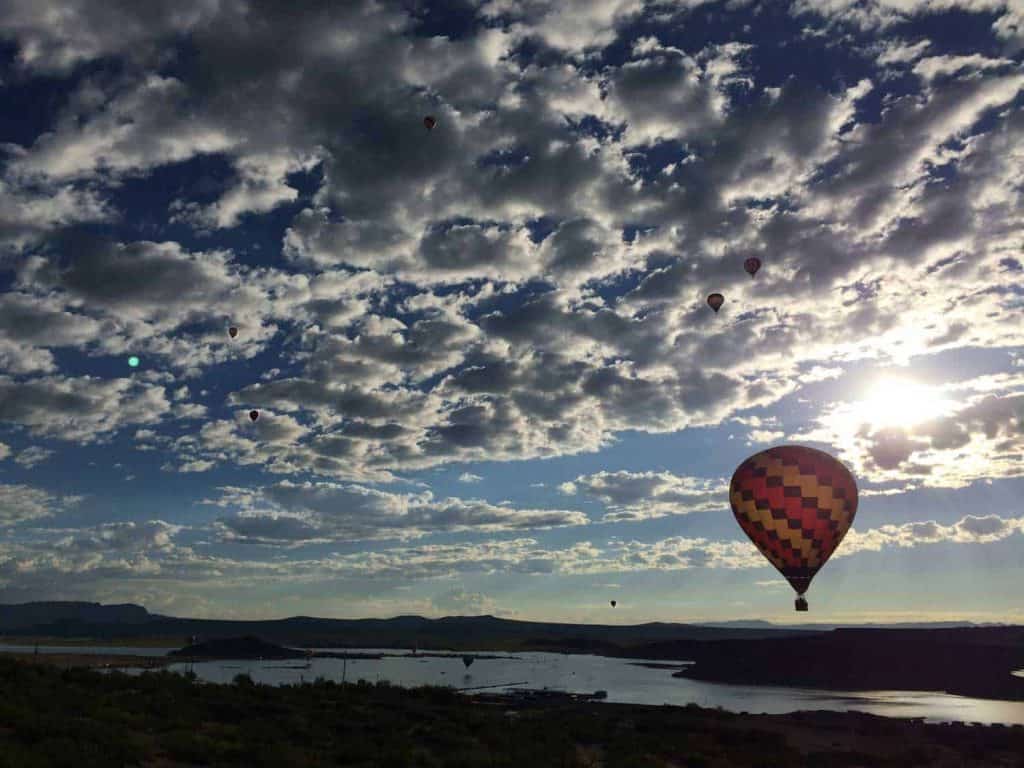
796, 504
232, 331
752, 265
254, 415
429, 122
715, 301
468, 661
613, 603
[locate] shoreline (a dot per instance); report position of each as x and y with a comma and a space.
514, 698
714, 665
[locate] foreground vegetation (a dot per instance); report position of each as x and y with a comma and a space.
79, 717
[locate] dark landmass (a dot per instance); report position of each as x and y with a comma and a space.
826, 627
92, 660
976, 662
457, 633
78, 717
656, 665
26, 615
238, 648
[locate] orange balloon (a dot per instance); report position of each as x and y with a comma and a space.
796, 504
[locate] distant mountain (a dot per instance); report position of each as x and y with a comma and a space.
27, 616
110, 622
451, 632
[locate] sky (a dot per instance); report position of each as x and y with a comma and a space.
486, 375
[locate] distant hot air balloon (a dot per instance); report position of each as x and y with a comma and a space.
613, 603
232, 331
254, 415
752, 265
796, 504
715, 301
429, 122
468, 661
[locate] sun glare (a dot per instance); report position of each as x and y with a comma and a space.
894, 402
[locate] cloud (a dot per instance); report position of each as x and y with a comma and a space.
973, 430
618, 339
574, 25
297, 513
28, 214
32, 456
459, 602
469, 477
111, 556
645, 495
525, 281
55, 36
22, 503
968, 530
82, 409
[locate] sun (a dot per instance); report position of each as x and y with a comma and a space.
900, 403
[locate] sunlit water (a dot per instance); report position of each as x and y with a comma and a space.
623, 680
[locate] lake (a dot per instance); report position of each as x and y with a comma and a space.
624, 681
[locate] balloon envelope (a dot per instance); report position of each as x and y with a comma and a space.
429, 122
254, 415
796, 504
752, 265
468, 661
232, 331
715, 301
613, 603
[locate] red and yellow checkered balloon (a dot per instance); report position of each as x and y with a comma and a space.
796, 504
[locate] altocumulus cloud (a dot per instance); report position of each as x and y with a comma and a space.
525, 281
641, 495
459, 209
295, 513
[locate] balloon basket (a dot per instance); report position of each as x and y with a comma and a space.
801, 603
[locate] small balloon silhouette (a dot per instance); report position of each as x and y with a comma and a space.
232, 331
613, 603
751, 265
429, 122
254, 415
715, 301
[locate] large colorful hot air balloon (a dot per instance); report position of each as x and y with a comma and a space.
429, 122
715, 301
752, 265
796, 504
